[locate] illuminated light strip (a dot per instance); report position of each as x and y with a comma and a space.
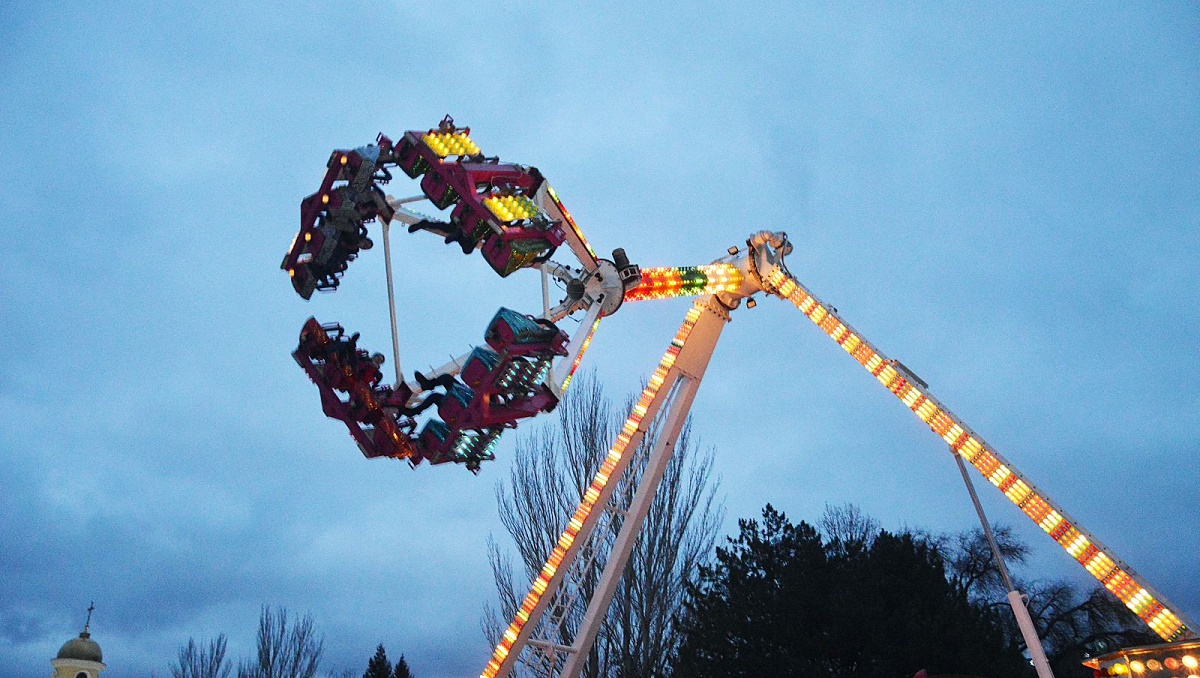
591, 496
587, 341
570, 220
1116, 576
508, 208
450, 143
685, 281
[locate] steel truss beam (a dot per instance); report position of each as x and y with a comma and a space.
676, 380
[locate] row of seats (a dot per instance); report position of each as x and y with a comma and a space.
333, 220
493, 210
337, 366
498, 385
492, 207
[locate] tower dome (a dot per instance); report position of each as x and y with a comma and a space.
82, 647
79, 657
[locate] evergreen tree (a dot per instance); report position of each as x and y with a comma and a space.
782, 601
402, 670
379, 666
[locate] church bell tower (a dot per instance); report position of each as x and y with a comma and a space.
79, 657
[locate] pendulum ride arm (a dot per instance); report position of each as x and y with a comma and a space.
560, 377
1096, 558
548, 200
664, 282
685, 382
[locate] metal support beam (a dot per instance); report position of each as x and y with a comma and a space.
684, 364
656, 465
575, 347
391, 289
1015, 599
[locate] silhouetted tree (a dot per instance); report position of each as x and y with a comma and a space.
284, 651
209, 662
1071, 624
551, 471
847, 530
378, 666
970, 566
854, 600
402, 670
780, 600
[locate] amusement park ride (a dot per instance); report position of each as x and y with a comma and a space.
512, 216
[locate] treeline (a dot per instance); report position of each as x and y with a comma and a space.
284, 648
851, 599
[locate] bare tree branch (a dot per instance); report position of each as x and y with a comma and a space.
207, 662
552, 469
284, 652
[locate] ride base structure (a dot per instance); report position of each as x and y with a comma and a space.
511, 215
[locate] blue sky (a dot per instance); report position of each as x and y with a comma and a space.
1005, 198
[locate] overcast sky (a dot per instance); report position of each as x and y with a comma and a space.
1004, 198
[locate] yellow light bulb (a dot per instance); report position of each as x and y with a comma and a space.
325, 199
1136, 666
1190, 661
345, 160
